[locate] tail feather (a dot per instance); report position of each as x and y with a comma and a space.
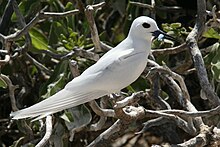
64, 99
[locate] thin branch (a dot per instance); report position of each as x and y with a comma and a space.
87, 54
11, 91
22, 22
129, 100
102, 139
100, 111
26, 129
49, 129
105, 47
170, 51
163, 120
58, 14
38, 64
89, 11
39, 16
157, 8
74, 68
186, 114
142, 5
5, 61
99, 125
202, 139
6, 18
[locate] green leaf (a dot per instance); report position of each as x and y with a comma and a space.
213, 54
67, 117
3, 84
213, 58
39, 40
27, 8
211, 33
77, 117
139, 84
175, 25
56, 32
216, 71
57, 80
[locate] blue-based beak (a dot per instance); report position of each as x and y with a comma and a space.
161, 35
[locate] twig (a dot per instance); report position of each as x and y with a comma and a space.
11, 91
162, 120
98, 126
153, 12
102, 139
22, 22
170, 51
6, 18
49, 129
89, 10
74, 68
157, 8
142, 5
5, 61
87, 54
26, 129
58, 14
39, 16
102, 121
191, 42
129, 100
186, 114
38, 64
200, 140
105, 47
101, 112
77, 51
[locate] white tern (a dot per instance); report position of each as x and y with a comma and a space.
114, 71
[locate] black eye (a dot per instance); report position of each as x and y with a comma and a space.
146, 25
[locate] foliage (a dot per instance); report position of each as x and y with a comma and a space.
54, 38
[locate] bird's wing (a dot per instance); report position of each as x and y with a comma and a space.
77, 93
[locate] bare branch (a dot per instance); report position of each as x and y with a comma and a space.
39, 16
101, 112
49, 129
89, 10
38, 64
22, 22
27, 130
5, 61
58, 14
129, 100
102, 139
6, 18
11, 91
170, 51
200, 140
186, 114
142, 5
157, 8
99, 125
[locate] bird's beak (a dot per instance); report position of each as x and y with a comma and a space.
157, 33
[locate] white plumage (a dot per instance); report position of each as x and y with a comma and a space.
114, 71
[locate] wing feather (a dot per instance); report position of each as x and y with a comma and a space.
51, 105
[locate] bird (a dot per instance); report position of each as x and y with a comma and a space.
115, 70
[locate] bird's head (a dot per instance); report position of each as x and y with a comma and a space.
146, 28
